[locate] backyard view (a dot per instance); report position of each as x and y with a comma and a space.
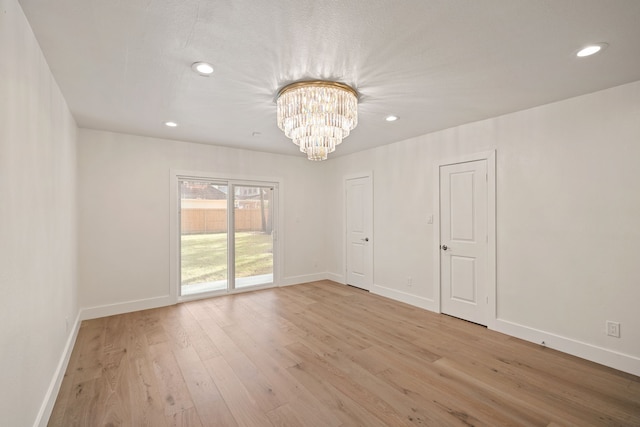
204, 256
207, 210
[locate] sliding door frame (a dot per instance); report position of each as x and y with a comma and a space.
232, 181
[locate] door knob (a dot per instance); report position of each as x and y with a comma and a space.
366, 239
444, 247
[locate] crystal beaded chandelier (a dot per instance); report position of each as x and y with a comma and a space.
317, 115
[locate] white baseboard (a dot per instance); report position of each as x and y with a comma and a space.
338, 278
417, 301
613, 359
52, 392
603, 356
163, 301
296, 280
607, 357
126, 307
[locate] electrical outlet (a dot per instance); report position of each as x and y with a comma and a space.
409, 281
613, 329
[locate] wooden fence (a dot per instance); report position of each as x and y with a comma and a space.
204, 221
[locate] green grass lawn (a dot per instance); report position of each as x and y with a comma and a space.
204, 256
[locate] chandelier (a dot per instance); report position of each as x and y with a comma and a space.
317, 115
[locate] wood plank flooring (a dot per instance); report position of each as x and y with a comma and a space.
323, 354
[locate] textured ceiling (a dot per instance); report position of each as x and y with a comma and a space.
124, 65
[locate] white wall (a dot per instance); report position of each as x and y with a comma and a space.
124, 209
568, 219
37, 224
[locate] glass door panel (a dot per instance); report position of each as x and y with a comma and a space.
253, 235
203, 236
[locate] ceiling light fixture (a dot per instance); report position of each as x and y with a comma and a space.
391, 118
591, 49
171, 124
203, 68
317, 115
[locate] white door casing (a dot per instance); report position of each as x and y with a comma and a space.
464, 261
175, 223
359, 232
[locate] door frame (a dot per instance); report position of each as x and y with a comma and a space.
490, 157
364, 174
174, 226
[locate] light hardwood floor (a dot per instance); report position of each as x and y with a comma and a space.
323, 354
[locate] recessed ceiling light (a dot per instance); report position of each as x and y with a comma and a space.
391, 118
591, 49
170, 124
202, 68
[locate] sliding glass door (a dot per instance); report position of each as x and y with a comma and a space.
213, 259
253, 235
203, 236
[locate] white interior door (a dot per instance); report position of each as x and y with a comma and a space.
464, 241
359, 219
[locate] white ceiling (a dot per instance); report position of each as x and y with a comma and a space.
124, 65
